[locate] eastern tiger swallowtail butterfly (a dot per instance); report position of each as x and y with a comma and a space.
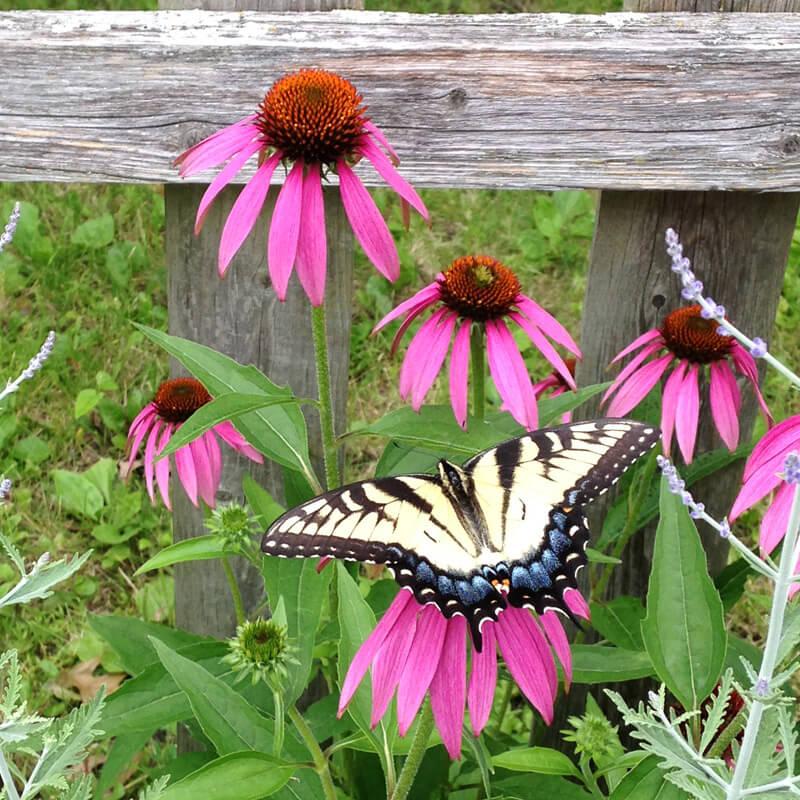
505, 527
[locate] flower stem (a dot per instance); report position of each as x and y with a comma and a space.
415, 755
280, 722
478, 373
320, 762
238, 605
329, 451
769, 661
8, 781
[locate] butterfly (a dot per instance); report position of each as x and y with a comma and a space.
507, 526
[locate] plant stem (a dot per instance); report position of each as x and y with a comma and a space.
235, 593
780, 597
329, 451
320, 762
415, 755
280, 722
478, 373
8, 781
631, 523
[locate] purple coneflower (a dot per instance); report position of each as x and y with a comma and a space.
477, 291
315, 121
763, 474
199, 463
415, 650
555, 385
692, 344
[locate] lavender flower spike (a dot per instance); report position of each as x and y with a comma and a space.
5, 490
34, 365
11, 226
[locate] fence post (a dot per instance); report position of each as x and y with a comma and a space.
242, 317
738, 243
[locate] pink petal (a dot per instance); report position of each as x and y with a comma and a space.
776, 519
420, 667
234, 439
245, 212
547, 323
558, 639
780, 440
545, 348
149, 457
746, 364
323, 562
575, 602
368, 225
186, 472
459, 368
162, 466
387, 666
726, 401
482, 681
214, 459
687, 414
550, 382
203, 469
647, 336
631, 367
422, 299
375, 131
638, 386
449, 687
312, 246
222, 180
385, 169
217, 148
669, 403
510, 374
433, 360
523, 657
284, 230
367, 652
419, 346
139, 429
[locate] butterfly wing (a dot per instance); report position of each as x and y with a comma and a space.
406, 522
532, 492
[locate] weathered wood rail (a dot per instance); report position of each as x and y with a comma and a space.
618, 101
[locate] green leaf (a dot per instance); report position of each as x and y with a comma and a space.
356, 622
619, 621
684, 630
86, 400
731, 581
261, 502
279, 431
102, 474
543, 760
543, 787
94, 233
221, 408
31, 450
226, 718
435, 429
198, 548
593, 663
131, 638
238, 776
38, 584
646, 780
303, 591
77, 494
120, 756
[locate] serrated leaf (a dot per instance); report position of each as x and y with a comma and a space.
684, 630
44, 576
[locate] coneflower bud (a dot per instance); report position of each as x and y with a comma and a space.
234, 523
262, 651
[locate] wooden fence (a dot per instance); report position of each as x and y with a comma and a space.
667, 114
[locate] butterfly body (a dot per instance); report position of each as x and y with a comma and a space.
506, 527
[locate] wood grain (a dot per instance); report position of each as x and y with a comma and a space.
620, 101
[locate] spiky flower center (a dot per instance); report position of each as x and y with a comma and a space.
479, 287
688, 335
177, 399
263, 642
314, 115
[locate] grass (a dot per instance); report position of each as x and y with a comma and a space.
89, 260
